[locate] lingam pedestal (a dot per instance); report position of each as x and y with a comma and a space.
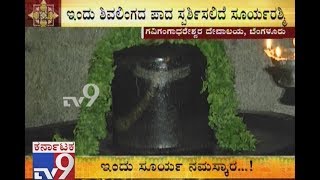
157, 105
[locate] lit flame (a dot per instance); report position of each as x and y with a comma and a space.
279, 54
294, 43
269, 42
278, 51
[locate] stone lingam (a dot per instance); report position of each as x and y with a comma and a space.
157, 104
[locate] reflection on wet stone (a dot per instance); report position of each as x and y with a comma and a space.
157, 105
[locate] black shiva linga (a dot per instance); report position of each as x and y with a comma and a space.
283, 70
157, 105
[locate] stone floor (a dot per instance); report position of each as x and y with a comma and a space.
57, 60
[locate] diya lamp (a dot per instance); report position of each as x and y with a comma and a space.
282, 69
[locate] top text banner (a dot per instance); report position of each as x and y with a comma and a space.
179, 13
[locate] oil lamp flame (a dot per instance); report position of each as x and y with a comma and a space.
294, 43
269, 42
278, 52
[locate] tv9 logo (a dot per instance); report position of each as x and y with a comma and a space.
53, 160
85, 90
